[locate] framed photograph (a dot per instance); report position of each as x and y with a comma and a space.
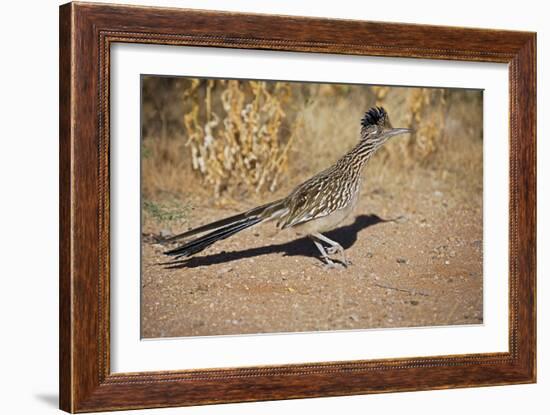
259, 207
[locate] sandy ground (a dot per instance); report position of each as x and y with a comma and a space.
417, 261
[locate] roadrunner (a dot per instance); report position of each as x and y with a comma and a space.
315, 206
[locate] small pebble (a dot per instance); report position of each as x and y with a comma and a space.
165, 233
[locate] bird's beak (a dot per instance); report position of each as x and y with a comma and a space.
397, 131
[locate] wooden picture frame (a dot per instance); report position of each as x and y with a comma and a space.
86, 33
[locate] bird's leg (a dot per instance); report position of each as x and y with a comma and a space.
329, 262
334, 248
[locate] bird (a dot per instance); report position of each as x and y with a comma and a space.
314, 207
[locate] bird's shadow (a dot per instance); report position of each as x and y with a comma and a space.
345, 235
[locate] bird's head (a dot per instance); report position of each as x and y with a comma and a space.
376, 127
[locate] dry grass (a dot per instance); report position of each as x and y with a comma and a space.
230, 140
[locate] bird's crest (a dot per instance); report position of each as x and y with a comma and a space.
374, 116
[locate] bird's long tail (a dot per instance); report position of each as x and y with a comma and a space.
223, 229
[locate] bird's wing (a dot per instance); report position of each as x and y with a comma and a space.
320, 196
310, 201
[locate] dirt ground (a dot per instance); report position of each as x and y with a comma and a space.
417, 261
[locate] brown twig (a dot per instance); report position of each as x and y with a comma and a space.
412, 292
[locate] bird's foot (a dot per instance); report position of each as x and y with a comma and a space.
335, 250
346, 262
333, 265
330, 264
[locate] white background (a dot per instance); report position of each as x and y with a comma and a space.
29, 228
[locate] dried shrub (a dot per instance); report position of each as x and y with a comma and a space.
421, 109
245, 149
426, 116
